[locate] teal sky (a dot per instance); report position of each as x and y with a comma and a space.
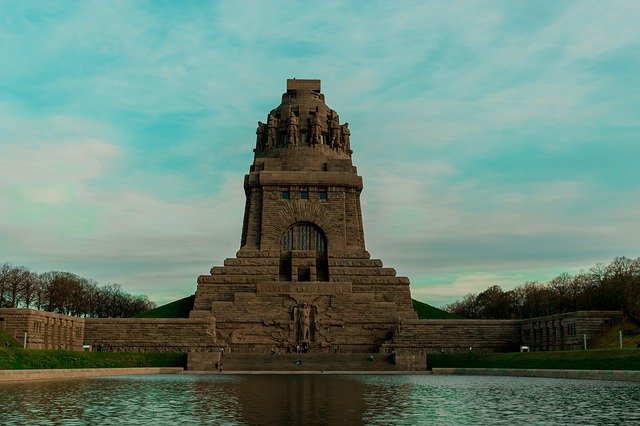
499, 141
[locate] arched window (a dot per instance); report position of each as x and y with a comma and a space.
308, 237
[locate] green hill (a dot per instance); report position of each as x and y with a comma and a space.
610, 338
7, 341
426, 311
177, 309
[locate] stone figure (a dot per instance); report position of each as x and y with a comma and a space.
292, 130
260, 136
398, 325
346, 138
334, 130
316, 131
272, 132
305, 322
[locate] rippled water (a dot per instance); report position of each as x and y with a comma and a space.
317, 399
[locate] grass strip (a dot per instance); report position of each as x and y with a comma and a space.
605, 359
29, 359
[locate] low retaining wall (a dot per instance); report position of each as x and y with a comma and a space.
620, 375
79, 373
429, 336
43, 330
151, 334
565, 332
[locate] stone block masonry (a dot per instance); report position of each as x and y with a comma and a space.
435, 336
80, 373
302, 278
151, 334
43, 330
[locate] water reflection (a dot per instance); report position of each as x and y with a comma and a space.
319, 399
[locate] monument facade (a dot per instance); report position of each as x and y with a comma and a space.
302, 276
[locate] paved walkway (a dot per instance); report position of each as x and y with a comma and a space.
57, 374
79, 373
618, 375
333, 372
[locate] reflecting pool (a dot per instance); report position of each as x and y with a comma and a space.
319, 399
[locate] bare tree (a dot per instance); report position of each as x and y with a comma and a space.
16, 279
5, 268
30, 288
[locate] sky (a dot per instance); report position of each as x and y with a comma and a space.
498, 141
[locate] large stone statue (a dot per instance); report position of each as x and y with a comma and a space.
272, 133
345, 143
334, 129
292, 130
316, 131
260, 137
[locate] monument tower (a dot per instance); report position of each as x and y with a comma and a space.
302, 276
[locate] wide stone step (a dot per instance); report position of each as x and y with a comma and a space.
296, 362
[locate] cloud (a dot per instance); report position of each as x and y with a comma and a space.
463, 285
59, 208
502, 137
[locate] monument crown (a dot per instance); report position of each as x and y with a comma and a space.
303, 120
304, 85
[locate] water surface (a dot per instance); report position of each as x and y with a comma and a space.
318, 399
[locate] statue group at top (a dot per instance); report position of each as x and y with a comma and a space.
303, 120
270, 135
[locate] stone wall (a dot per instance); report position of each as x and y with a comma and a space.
566, 331
267, 315
616, 375
429, 336
80, 373
151, 334
44, 330
553, 332
349, 328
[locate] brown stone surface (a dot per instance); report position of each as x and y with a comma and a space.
288, 362
81, 373
302, 276
429, 336
43, 330
566, 331
618, 375
302, 252
151, 334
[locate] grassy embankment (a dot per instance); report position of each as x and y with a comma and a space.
598, 359
28, 359
426, 311
610, 339
7, 341
176, 309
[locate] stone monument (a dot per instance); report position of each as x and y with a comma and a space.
302, 276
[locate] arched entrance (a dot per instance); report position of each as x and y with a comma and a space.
303, 253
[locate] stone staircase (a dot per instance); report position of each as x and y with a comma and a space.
293, 362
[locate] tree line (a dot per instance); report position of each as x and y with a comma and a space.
66, 293
612, 287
